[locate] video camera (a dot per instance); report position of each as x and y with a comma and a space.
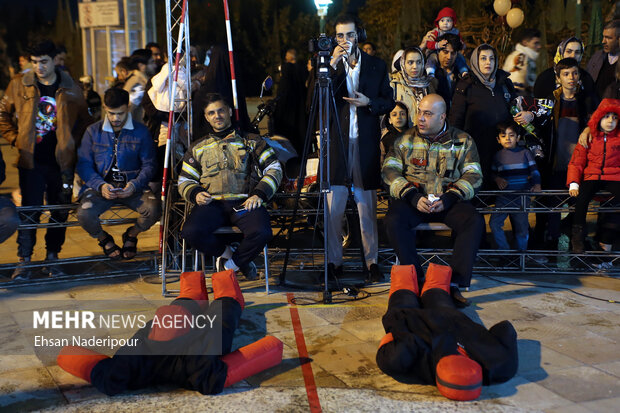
323, 46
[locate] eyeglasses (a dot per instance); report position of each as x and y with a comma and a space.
349, 36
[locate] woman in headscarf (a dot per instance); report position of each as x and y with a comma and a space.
546, 82
411, 84
481, 101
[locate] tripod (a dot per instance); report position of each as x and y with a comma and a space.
323, 106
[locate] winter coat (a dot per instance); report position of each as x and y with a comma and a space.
476, 110
406, 94
596, 63
135, 154
601, 159
21, 100
230, 167
448, 165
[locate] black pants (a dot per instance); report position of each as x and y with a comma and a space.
467, 226
587, 191
205, 219
551, 222
42, 182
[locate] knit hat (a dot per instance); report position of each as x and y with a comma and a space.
446, 12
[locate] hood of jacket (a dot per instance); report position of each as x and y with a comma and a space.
606, 106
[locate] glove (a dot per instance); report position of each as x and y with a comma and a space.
66, 191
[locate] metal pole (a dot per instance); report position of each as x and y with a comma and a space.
233, 80
172, 90
143, 21
85, 54
93, 55
108, 51
126, 17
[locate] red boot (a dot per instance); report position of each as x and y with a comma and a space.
252, 359
193, 286
79, 361
404, 277
225, 285
437, 276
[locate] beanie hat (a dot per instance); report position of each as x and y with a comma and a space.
446, 12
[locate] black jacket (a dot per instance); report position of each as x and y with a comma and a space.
587, 103
428, 328
187, 361
373, 83
545, 82
476, 110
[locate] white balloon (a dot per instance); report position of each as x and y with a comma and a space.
502, 6
515, 17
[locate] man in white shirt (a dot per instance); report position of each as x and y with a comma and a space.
362, 93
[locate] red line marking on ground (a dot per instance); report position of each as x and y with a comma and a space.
306, 366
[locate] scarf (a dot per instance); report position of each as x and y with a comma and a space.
475, 67
559, 53
422, 81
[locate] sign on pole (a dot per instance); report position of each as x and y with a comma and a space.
100, 13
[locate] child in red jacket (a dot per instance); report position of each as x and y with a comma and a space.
595, 168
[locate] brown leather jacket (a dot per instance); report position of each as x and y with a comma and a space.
18, 111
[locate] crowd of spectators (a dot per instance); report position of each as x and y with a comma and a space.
432, 130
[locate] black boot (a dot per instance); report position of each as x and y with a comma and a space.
51, 267
577, 239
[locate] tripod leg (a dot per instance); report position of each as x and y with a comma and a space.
300, 180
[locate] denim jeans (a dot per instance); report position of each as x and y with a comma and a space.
92, 205
520, 222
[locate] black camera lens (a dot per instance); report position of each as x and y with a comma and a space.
324, 43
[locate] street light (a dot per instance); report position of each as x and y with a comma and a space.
321, 11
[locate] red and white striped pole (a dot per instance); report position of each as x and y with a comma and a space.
232, 62
164, 181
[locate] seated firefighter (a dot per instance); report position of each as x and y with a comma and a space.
432, 172
429, 341
228, 175
116, 160
188, 351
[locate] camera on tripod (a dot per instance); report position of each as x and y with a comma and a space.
323, 43
323, 46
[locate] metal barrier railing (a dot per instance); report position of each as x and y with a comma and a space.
556, 201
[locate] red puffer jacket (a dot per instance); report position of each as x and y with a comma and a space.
601, 160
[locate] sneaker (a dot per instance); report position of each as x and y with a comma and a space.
250, 271
219, 264
21, 272
375, 273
